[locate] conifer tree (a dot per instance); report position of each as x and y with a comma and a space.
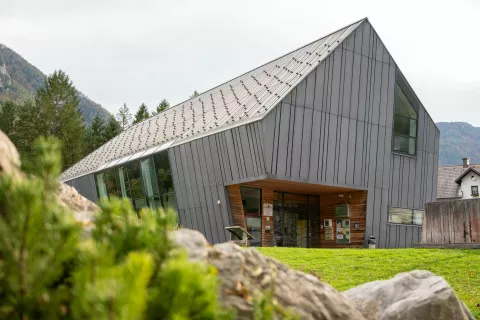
124, 117
162, 106
27, 128
8, 119
95, 135
112, 128
58, 115
195, 94
141, 114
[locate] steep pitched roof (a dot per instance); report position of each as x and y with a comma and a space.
447, 186
246, 98
470, 169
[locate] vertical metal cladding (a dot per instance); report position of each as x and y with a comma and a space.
202, 169
335, 127
338, 130
85, 185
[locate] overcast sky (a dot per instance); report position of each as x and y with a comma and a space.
118, 51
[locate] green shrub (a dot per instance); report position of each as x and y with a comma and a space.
126, 270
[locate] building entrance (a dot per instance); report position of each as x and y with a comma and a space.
296, 220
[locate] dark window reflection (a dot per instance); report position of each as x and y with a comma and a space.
252, 209
146, 182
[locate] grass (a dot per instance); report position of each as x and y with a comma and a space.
347, 268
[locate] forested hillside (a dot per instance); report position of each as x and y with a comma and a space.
19, 81
458, 140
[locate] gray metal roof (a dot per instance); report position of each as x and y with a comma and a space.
246, 98
447, 187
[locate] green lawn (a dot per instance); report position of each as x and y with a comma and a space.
347, 268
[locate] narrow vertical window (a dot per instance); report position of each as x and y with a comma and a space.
101, 186
252, 209
405, 124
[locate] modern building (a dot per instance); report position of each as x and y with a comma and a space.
322, 147
458, 182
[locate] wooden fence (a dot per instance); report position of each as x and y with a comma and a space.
454, 222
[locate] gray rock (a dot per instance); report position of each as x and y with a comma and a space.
83, 209
193, 241
9, 158
245, 274
410, 295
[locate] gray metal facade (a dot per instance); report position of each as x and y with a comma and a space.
86, 186
203, 167
334, 128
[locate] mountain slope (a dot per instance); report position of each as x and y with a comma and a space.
458, 140
19, 80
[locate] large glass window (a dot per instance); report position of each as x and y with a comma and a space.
150, 182
146, 182
111, 183
123, 182
405, 216
164, 180
252, 209
405, 124
101, 186
136, 185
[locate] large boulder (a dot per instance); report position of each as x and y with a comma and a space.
245, 273
410, 295
9, 158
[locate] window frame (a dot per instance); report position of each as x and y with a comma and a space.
474, 194
261, 213
412, 211
401, 84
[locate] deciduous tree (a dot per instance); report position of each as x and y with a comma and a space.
124, 117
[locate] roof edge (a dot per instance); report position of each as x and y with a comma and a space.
459, 179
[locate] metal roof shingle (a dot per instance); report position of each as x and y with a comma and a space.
248, 97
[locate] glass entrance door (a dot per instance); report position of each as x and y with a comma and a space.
296, 219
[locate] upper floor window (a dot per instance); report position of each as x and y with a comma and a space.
405, 124
475, 191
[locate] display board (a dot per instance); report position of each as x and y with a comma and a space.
343, 231
267, 209
342, 210
329, 233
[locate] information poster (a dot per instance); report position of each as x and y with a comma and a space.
343, 231
267, 210
328, 233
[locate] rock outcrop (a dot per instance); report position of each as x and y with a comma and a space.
244, 273
411, 295
9, 158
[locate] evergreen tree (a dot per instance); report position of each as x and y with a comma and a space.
59, 116
27, 128
127, 269
112, 128
8, 119
95, 134
124, 117
141, 114
195, 94
162, 106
